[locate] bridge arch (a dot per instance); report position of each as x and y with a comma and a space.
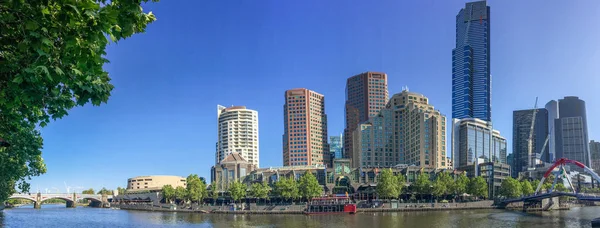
91, 199
57, 197
23, 197
561, 162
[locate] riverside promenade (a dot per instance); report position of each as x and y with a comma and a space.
299, 208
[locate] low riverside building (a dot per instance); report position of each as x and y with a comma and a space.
341, 178
153, 183
233, 168
501, 171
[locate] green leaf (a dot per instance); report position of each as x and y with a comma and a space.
73, 8
117, 28
18, 79
58, 71
43, 69
76, 71
45, 10
31, 25
113, 38
47, 41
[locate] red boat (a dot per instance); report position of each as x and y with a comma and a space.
330, 205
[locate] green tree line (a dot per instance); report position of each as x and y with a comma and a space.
390, 186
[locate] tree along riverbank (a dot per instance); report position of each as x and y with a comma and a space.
299, 208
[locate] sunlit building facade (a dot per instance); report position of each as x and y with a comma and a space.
407, 131
305, 129
471, 77
237, 133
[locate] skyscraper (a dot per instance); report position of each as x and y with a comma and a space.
305, 133
552, 108
407, 131
595, 154
471, 143
570, 129
366, 94
336, 145
471, 73
238, 132
522, 120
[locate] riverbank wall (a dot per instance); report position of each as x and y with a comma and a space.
299, 209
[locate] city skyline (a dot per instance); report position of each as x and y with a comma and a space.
174, 119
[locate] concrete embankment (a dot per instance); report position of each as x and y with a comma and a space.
299, 209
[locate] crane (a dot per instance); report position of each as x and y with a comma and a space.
530, 140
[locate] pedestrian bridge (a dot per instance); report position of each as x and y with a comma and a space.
548, 195
70, 198
549, 199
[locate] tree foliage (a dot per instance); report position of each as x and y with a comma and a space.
442, 185
423, 185
180, 193
308, 186
105, 191
459, 185
526, 187
510, 188
51, 60
89, 191
478, 187
237, 190
287, 188
401, 182
168, 193
121, 191
214, 190
260, 190
387, 186
196, 188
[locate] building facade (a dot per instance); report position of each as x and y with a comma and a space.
366, 94
471, 143
570, 129
522, 121
471, 72
232, 168
511, 162
336, 146
153, 183
552, 108
305, 129
238, 133
407, 131
595, 154
342, 178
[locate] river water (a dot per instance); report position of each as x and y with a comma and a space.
59, 216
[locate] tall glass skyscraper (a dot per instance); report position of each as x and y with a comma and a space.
570, 129
471, 79
335, 146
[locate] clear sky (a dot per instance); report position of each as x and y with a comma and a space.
161, 117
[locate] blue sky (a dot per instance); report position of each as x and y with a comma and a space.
161, 117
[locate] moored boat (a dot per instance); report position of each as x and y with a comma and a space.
330, 205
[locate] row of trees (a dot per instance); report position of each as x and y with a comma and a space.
195, 190
392, 186
102, 191
512, 188
287, 188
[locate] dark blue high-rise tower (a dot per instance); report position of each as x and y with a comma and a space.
471, 79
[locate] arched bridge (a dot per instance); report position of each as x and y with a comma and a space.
546, 198
70, 198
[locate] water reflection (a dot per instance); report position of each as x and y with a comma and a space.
95, 217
